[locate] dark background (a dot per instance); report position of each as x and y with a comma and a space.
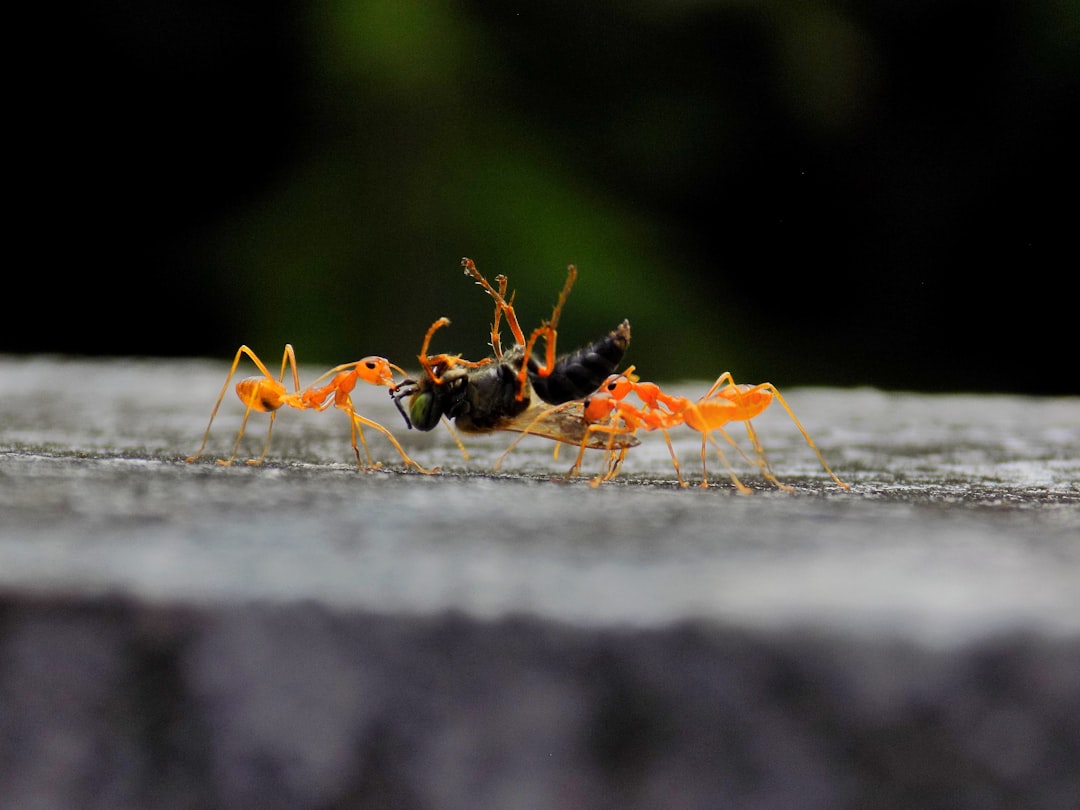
878, 193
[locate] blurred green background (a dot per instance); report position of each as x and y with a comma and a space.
877, 193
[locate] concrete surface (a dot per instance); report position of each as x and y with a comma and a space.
304, 634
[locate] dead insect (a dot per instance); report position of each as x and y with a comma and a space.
496, 393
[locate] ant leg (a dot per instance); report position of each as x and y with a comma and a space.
611, 428
674, 458
361, 420
723, 380
707, 437
739, 395
693, 416
610, 465
357, 426
612, 459
615, 460
772, 389
654, 416
576, 466
763, 460
224, 390
745, 402
288, 357
225, 462
266, 447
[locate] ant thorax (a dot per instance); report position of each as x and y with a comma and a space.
491, 395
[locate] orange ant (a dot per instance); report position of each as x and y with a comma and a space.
267, 394
725, 401
607, 410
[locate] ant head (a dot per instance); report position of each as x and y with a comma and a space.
597, 406
375, 370
619, 385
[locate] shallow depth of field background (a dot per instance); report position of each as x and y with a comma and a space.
878, 193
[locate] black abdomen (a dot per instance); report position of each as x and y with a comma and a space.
578, 374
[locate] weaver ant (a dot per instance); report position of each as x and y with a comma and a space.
606, 411
266, 394
496, 393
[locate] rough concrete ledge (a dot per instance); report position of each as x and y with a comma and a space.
302, 634
112, 703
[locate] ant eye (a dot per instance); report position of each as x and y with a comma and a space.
371, 364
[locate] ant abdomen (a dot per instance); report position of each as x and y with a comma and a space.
261, 394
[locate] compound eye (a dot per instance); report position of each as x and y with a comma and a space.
424, 410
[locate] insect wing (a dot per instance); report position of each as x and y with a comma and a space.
566, 425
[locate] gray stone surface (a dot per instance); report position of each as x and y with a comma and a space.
303, 634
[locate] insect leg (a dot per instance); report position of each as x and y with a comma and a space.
502, 306
576, 375
527, 430
457, 439
547, 331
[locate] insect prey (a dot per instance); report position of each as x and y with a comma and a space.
499, 392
